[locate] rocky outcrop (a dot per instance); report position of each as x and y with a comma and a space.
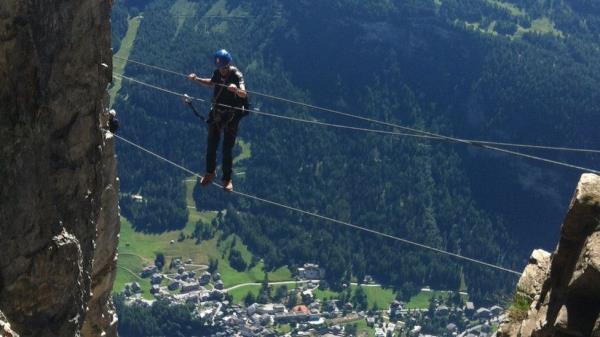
564, 289
58, 213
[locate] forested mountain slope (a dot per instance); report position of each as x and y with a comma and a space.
522, 72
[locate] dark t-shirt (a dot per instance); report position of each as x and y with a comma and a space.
223, 96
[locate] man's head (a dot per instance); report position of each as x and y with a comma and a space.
222, 60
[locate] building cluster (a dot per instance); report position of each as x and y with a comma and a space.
264, 320
460, 321
330, 318
310, 271
181, 286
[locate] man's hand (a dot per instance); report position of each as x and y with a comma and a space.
195, 78
240, 92
192, 77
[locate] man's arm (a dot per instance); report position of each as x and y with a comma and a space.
239, 90
204, 81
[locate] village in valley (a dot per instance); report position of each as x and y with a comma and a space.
299, 312
197, 268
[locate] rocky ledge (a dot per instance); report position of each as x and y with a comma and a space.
563, 289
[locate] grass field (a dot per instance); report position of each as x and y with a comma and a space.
383, 297
256, 274
545, 25
145, 246
421, 300
362, 329
246, 151
124, 52
541, 25
325, 294
137, 250
215, 16
181, 10
238, 294
514, 10
282, 329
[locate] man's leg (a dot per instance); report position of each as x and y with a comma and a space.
228, 144
212, 143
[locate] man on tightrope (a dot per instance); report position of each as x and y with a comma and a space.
229, 98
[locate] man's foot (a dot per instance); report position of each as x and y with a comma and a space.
228, 185
207, 179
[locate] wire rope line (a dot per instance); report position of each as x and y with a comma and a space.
322, 217
339, 126
539, 147
431, 135
131, 79
149, 66
427, 136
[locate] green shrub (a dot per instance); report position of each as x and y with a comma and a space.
519, 307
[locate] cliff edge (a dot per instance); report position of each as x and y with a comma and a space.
58, 186
563, 288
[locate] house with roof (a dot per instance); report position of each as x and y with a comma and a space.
496, 310
469, 309
148, 271
174, 285
252, 309
441, 311
278, 308
416, 331
310, 271
186, 287
156, 279
216, 295
483, 313
204, 278
291, 318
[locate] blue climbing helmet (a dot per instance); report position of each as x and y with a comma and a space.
222, 58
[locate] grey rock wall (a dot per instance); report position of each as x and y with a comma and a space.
565, 287
58, 211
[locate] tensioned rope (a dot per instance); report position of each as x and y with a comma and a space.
339, 126
436, 137
431, 135
322, 217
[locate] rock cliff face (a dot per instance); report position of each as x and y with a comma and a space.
58, 191
564, 288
